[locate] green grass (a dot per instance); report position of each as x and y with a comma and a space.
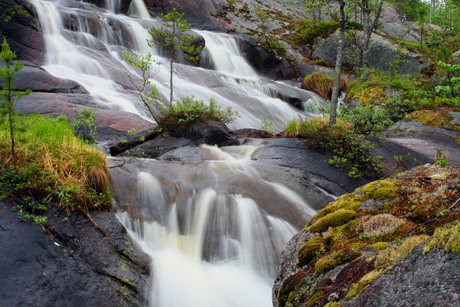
53, 165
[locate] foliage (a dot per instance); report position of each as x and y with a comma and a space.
84, 123
189, 109
148, 92
8, 92
54, 165
452, 79
366, 120
351, 151
267, 125
174, 40
267, 41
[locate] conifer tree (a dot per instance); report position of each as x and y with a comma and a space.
8, 92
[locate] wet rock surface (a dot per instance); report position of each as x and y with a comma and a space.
70, 261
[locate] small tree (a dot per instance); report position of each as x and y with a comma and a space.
173, 40
338, 66
8, 93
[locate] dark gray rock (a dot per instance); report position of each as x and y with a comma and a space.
293, 153
430, 280
211, 132
21, 32
383, 52
288, 262
70, 262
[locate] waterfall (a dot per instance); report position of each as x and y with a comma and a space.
214, 230
85, 45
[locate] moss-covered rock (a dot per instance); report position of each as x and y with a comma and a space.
379, 246
310, 250
334, 259
333, 219
380, 189
447, 238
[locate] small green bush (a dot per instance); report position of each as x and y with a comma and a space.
188, 110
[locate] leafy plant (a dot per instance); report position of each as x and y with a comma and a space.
452, 79
441, 157
84, 123
267, 125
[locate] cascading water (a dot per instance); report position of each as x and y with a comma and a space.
85, 45
214, 230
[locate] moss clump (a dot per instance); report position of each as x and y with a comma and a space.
381, 189
349, 201
355, 290
310, 250
382, 225
334, 259
333, 219
313, 299
380, 246
333, 304
447, 237
342, 232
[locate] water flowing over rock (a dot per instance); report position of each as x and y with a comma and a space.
206, 222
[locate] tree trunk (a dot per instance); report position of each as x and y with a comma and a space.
369, 27
171, 71
338, 67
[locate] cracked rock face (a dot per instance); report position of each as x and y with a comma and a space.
70, 262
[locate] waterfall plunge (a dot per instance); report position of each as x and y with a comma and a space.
214, 230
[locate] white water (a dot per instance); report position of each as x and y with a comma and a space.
212, 235
214, 230
88, 51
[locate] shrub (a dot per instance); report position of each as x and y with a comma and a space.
54, 165
351, 151
322, 84
188, 110
366, 120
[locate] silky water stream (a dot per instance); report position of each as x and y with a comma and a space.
214, 230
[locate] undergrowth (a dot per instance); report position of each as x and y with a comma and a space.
52, 165
351, 151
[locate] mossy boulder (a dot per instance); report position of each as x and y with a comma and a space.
334, 259
380, 189
310, 250
334, 219
447, 238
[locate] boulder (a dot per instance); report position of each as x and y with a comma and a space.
21, 32
70, 261
418, 280
211, 132
383, 53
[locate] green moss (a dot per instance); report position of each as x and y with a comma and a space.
334, 259
447, 237
333, 304
314, 299
333, 219
310, 250
349, 201
355, 290
380, 246
381, 189
340, 232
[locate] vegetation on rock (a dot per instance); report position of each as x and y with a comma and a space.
53, 166
416, 205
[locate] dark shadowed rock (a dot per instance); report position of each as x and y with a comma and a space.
156, 147
70, 262
253, 133
39, 80
209, 132
21, 32
418, 280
